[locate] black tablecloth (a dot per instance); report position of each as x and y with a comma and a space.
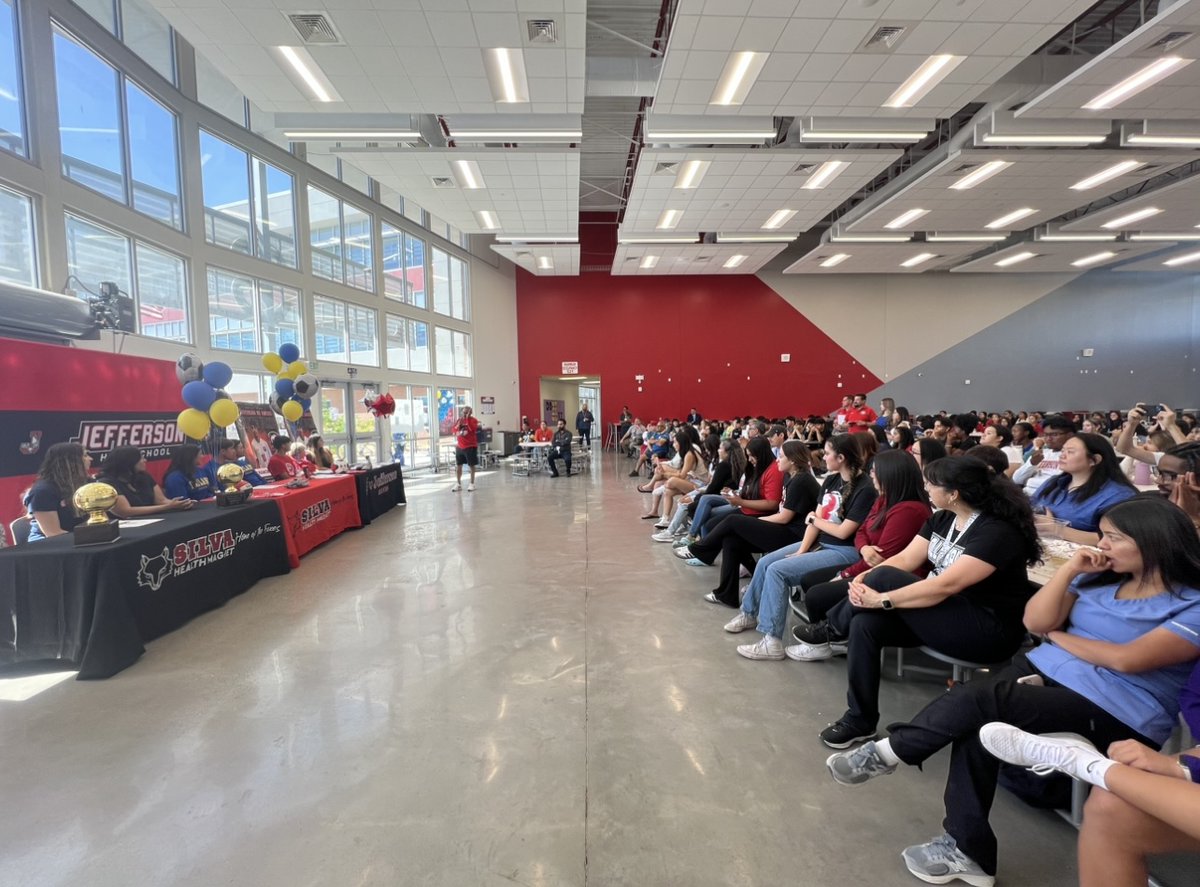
380, 489
95, 606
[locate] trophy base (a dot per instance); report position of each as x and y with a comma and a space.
237, 497
97, 534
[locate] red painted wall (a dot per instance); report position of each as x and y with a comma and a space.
707, 342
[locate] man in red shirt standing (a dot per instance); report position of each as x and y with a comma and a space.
860, 415
466, 448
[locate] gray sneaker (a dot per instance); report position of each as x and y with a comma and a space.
940, 862
857, 766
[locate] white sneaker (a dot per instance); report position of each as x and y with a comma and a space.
470, 488
456, 488
663, 536
1068, 753
661, 525
767, 648
940, 862
809, 652
741, 622
682, 552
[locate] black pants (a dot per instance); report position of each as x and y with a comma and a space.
737, 538
585, 437
554, 455
954, 719
955, 627
822, 592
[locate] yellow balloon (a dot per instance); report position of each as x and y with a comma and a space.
292, 411
272, 362
297, 368
223, 413
194, 424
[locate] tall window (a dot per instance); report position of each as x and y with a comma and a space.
344, 332
407, 344
341, 237
12, 112
403, 266
248, 203
18, 262
453, 352
108, 123
246, 314
449, 284
147, 33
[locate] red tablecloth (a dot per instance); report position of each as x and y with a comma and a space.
314, 514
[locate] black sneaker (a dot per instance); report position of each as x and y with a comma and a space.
843, 734
814, 633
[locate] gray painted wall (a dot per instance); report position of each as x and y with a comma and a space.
1144, 327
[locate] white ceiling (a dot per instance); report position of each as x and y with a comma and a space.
880, 258
1057, 256
1175, 97
1179, 202
742, 188
693, 258
563, 257
1039, 179
532, 192
814, 67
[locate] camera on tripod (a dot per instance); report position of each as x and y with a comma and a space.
112, 309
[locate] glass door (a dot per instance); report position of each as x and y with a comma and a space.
347, 426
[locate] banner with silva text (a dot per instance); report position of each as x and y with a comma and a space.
53, 394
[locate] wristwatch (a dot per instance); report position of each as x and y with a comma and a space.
886, 602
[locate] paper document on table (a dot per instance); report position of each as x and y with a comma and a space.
140, 522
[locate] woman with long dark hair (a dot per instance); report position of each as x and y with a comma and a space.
846, 499
321, 456
901, 438
1091, 482
1122, 625
691, 475
49, 501
137, 493
760, 493
185, 479
739, 537
730, 474
928, 449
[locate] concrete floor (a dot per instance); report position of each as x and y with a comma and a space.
512, 686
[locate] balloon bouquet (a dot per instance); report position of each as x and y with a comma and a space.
295, 386
208, 404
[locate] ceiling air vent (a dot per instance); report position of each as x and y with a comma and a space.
884, 39
542, 30
314, 28
443, 182
671, 167
803, 169
1169, 41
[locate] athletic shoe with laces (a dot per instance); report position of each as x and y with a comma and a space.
682, 552
663, 536
940, 862
741, 622
843, 734
456, 488
661, 525
470, 488
808, 652
1067, 753
857, 766
815, 633
766, 648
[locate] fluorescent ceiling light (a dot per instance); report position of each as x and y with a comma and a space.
947, 237
870, 238
1093, 259
467, 174
1043, 139
669, 219
918, 259
545, 263
537, 238
779, 218
1129, 218
1157, 70
691, 173
1012, 260
1003, 128
1164, 141
517, 135
506, 75
734, 261
309, 72
755, 238
1182, 260
931, 72
835, 260
1157, 237
651, 239
648, 262
1106, 175
846, 135
905, 218
740, 72
982, 174
1014, 216
371, 135
1057, 237
824, 174
487, 219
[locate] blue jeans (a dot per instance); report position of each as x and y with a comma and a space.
767, 595
703, 507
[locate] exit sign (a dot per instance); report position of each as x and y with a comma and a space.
570, 367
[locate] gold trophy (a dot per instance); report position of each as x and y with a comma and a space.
230, 475
96, 499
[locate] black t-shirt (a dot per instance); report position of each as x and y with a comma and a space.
993, 541
45, 496
858, 506
800, 493
139, 491
722, 477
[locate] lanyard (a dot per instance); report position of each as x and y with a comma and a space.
951, 535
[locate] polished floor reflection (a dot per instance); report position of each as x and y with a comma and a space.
512, 686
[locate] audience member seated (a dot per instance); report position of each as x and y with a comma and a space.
561, 448
928, 449
846, 499
969, 606
1001, 438
901, 437
282, 466
186, 479
250, 474
1163, 433
1022, 438
730, 473
137, 493
300, 457
544, 433
49, 501
320, 455
1042, 462
1122, 626
631, 440
1090, 482
657, 445
691, 475
991, 457
760, 493
739, 537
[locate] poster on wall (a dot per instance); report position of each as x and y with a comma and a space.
553, 410
487, 405
256, 425
447, 414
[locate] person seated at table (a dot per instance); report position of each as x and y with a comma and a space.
560, 448
320, 455
544, 433
282, 466
48, 502
186, 478
300, 457
249, 472
1000, 437
1090, 482
969, 605
137, 493
1122, 625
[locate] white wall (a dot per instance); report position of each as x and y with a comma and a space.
494, 319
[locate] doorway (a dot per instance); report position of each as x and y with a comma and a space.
347, 427
564, 396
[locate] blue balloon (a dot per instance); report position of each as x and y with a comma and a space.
290, 352
284, 387
306, 403
199, 395
218, 374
